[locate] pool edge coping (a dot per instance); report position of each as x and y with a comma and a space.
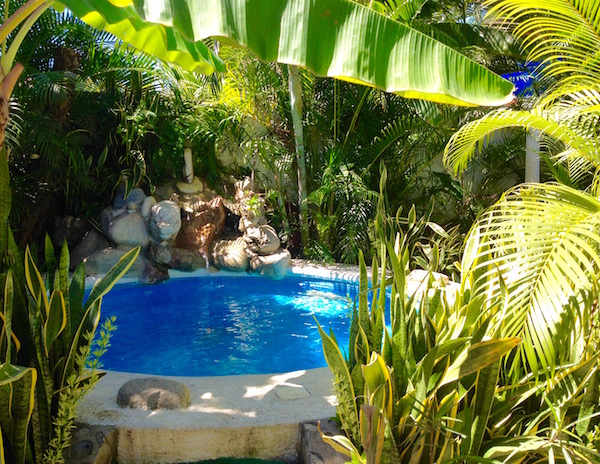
337, 272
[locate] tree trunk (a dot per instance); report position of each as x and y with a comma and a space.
296, 109
7, 84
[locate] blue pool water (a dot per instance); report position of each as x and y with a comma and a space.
210, 326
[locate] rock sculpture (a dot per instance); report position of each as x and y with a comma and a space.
153, 393
251, 206
231, 255
274, 265
262, 239
201, 225
177, 258
186, 232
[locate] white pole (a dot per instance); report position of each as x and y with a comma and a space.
188, 171
532, 156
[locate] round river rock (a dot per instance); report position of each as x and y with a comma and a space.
153, 393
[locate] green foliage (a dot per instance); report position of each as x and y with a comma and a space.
447, 383
87, 363
104, 112
566, 112
38, 403
341, 26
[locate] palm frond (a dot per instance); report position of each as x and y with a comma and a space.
541, 243
474, 136
14, 128
563, 35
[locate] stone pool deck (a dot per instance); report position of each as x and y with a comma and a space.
234, 416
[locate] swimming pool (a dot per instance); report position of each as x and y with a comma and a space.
225, 325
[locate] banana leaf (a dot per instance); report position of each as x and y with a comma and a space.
331, 38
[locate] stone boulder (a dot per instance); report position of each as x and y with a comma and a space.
231, 255
89, 443
418, 279
146, 208
154, 273
164, 192
129, 230
133, 201
195, 186
165, 220
69, 228
262, 239
102, 261
274, 265
153, 393
93, 242
313, 450
108, 215
179, 259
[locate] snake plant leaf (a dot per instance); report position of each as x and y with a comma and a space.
372, 428
363, 290
346, 393
339, 443
103, 285
87, 325
57, 320
331, 38
5, 202
482, 406
589, 404
86, 316
377, 377
63, 274
50, 261
76, 296
7, 315
17, 389
35, 284
477, 357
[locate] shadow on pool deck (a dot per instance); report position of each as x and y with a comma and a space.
233, 416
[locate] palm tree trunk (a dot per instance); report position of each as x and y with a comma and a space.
7, 85
296, 109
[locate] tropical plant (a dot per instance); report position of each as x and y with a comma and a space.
45, 343
470, 83
168, 38
406, 391
435, 390
529, 269
414, 80
526, 224
49, 328
566, 112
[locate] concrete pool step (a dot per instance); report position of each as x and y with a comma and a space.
233, 416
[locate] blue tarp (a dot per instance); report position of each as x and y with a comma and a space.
523, 80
